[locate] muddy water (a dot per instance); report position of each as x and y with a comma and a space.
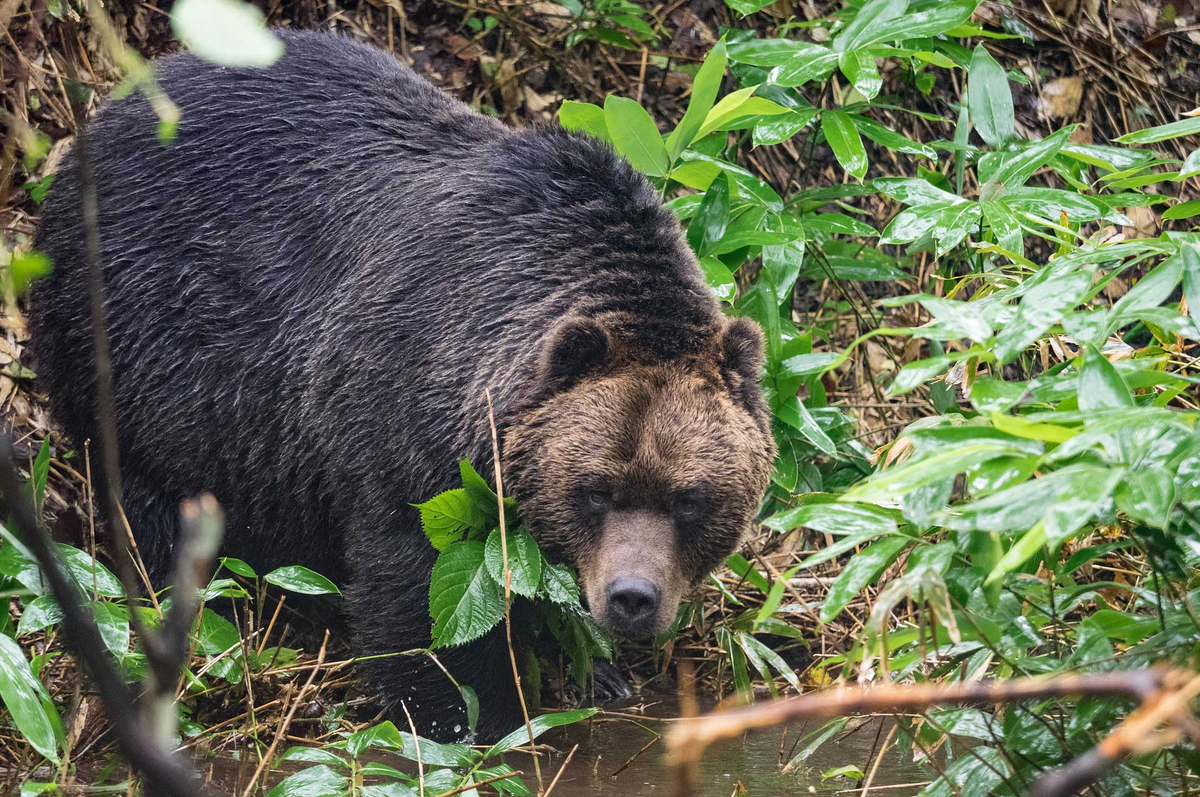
613, 760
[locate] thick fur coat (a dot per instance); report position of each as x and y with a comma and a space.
311, 289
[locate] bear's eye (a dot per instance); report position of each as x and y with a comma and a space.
685, 507
598, 499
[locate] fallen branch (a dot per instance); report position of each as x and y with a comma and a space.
1163, 695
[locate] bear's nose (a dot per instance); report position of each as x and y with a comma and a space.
633, 604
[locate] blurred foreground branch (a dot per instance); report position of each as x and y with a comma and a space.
1164, 698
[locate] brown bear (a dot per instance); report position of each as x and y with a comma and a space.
308, 294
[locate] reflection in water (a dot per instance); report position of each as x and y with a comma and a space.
613, 759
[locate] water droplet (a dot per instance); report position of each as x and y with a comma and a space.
458, 728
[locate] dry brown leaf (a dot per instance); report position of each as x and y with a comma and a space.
1061, 98
1145, 223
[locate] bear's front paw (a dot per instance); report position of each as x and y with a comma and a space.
607, 683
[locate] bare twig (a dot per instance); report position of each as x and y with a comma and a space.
688, 740
561, 769
512, 656
164, 772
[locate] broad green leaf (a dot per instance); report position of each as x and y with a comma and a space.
584, 117
1011, 169
1191, 166
885, 137
1184, 210
953, 224
719, 278
39, 614
814, 63
314, 755
447, 516
1063, 501
918, 372
977, 774
990, 98
27, 700
635, 136
890, 484
479, 492
704, 94
777, 129
113, 622
863, 568
1189, 255
874, 14
318, 781
707, 227
843, 138
465, 602
524, 560
384, 734
860, 69
769, 53
837, 519
1184, 127
1147, 495
538, 725
794, 413
1042, 306
921, 20
1100, 385
1150, 291
839, 224
772, 658
295, 578
238, 567
25, 267
226, 32
962, 318
915, 191
80, 566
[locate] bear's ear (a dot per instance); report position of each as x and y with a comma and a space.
574, 348
742, 358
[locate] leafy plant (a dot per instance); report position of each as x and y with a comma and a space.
466, 591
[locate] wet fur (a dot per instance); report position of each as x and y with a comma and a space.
308, 294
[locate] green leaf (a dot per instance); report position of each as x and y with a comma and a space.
1150, 291
318, 781
464, 601
890, 484
559, 585
313, 755
860, 69
707, 227
39, 614
238, 567
847, 146
863, 568
538, 725
774, 52
1046, 303
837, 519
226, 32
113, 622
479, 491
874, 15
885, 137
635, 136
583, 117
718, 277
921, 19
27, 700
295, 578
813, 63
25, 267
447, 516
990, 98
524, 560
704, 93
1191, 166
384, 734
1147, 495
1184, 210
1183, 127
1100, 386
80, 566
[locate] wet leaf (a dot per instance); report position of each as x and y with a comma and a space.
27, 701
1042, 306
635, 136
843, 138
318, 781
539, 725
704, 93
465, 602
863, 568
524, 560
991, 103
295, 578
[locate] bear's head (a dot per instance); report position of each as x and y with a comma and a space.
642, 474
